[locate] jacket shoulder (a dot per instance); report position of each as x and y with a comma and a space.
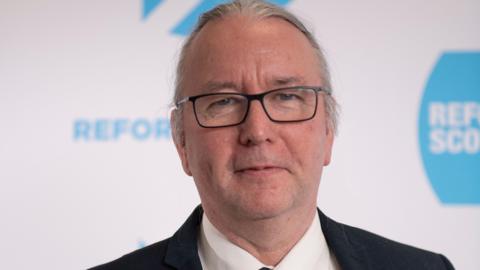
391, 254
149, 257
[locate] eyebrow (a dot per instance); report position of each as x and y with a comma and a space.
214, 86
285, 81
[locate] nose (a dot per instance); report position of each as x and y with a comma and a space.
257, 127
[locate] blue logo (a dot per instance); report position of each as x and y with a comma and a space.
449, 128
149, 6
115, 129
185, 26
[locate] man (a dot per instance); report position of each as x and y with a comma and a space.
254, 126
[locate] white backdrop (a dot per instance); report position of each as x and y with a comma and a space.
88, 171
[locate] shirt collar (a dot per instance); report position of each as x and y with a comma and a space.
216, 252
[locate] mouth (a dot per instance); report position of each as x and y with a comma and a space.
262, 170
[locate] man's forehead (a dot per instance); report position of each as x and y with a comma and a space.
239, 36
243, 27
231, 51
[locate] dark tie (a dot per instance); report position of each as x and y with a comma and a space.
264, 268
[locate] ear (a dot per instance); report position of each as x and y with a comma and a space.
178, 135
328, 145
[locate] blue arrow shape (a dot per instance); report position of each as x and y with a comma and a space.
149, 6
186, 25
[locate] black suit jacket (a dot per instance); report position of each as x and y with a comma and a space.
353, 248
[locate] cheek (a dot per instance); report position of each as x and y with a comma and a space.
308, 144
210, 154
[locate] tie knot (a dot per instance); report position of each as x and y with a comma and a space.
264, 268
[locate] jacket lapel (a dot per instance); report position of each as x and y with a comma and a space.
182, 253
349, 255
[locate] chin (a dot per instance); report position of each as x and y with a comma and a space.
263, 208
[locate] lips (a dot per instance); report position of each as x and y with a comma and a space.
256, 163
259, 170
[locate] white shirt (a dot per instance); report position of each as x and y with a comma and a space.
217, 253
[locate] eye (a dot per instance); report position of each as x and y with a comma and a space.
287, 96
224, 101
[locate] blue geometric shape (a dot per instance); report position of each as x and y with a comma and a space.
149, 6
449, 128
186, 25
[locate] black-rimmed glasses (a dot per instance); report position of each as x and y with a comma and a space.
224, 109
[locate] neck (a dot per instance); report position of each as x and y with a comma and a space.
270, 239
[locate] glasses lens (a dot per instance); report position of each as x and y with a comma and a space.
294, 104
220, 109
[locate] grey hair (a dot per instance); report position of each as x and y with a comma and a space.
258, 9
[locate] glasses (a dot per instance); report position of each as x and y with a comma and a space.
283, 105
